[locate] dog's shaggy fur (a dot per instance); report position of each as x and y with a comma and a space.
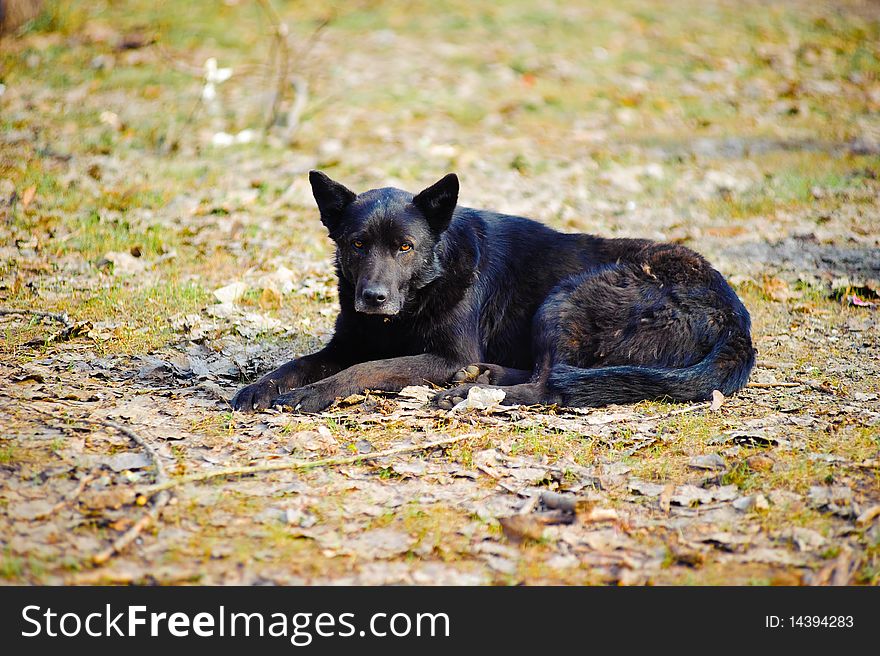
429, 292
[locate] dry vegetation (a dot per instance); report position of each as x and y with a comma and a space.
747, 130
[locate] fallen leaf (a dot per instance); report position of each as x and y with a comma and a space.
115, 497
300, 515
124, 264
121, 524
776, 289
595, 514
280, 281
837, 499
320, 440
411, 468
751, 502
760, 462
380, 543
122, 461
726, 540
252, 324
838, 572
519, 528
806, 539
691, 495
27, 196
708, 461
420, 393
231, 292
30, 509
645, 488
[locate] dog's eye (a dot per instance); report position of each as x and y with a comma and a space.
357, 243
404, 247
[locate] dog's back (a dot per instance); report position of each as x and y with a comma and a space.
615, 320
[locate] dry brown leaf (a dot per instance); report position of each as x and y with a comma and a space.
760, 462
27, 196
518, 528
595, 515
114, 498
776, 289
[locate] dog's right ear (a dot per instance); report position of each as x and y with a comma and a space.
331, 197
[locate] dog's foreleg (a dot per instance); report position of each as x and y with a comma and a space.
389, 375
298, 372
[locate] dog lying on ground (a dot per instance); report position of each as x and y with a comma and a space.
431, 292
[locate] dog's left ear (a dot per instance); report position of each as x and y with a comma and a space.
331, 196
438, 201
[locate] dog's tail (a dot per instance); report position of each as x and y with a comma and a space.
725, 368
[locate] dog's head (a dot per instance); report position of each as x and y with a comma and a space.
385, 238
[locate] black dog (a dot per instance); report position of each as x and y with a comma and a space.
427, 288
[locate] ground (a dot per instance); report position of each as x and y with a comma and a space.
173, 240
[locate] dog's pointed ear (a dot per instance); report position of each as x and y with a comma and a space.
331, 197
438, 201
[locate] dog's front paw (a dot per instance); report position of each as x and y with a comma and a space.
448, 399
257, 396
309, 398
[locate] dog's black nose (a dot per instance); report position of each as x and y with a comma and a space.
375, 295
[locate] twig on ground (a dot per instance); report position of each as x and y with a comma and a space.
160, 502
152, 515
60, 317
120, 543
70, 329
149, 491
70, 498
662, 415
769, 385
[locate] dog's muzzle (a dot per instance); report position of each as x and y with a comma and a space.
376, 300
